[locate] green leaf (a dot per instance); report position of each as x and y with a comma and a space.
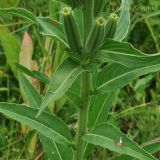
119, 76
51, 27
132, 64
63, 78
52, 149
11, 47
46, 25
99, 108
151, 148
21, 12
121, 48
56, 151
54, 8
124, 21
108, 136
47, 124
73, 98
125, 54
33, 97
35, 74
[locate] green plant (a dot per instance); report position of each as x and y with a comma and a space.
103, 65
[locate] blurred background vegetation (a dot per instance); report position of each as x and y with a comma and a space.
137, 107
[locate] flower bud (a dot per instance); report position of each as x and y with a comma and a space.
72, 31
111, 26
96, 37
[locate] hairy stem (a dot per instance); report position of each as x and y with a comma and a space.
83, 115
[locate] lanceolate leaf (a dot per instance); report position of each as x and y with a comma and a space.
108, 136
121, 47
56, 151
47, 124
153, 147
62, 80
33, 97
119, 76
124, 21
50, 27
132, 64
125, 54
46, 25
98, 112
35, 74
150, 148
99, 109
52, 149
19, 12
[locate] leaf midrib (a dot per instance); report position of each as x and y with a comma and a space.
124, 75
100, 111
36, 122
58, 151
91, 134
66, 79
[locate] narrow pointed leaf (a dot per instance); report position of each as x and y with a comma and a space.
62, 80
121, 48
21, 12
35, 74
100, 106
56, 151
53, 150
124, 21
52, 28
108, 136
119, 76
47, 124
151, 148
46, 25
99, 109
125, 54
32, 96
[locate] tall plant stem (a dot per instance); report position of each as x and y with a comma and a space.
88, 18
83, 115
